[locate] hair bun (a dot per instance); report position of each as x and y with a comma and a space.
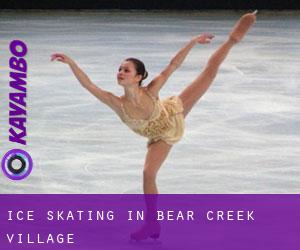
139, 67
145, 75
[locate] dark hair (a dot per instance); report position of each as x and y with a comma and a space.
139, 67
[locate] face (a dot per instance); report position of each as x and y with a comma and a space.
127, 74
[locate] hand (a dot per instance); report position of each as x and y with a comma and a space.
61, 58
203, 38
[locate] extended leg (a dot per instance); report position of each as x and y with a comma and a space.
198, 87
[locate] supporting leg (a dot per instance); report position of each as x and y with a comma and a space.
157, 153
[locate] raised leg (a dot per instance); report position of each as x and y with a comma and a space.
198, 87
192, 93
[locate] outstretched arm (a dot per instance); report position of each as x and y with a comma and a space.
104, 96
157, 83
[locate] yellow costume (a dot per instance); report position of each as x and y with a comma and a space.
165, 123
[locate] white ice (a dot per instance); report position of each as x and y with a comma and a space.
242, 137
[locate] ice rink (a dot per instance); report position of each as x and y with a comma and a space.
242, 137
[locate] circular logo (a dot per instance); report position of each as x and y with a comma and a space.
17, 164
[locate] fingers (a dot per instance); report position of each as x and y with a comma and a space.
208, 35
58, 57
53, 58
209, 38
206, 38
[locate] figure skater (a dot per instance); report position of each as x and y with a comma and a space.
161, 121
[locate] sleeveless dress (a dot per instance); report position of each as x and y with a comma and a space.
165, 123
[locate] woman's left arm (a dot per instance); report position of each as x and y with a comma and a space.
156, 84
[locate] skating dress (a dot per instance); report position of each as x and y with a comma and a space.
165, 123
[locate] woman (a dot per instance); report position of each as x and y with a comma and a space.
140, 108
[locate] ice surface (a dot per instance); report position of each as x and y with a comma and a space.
242, 137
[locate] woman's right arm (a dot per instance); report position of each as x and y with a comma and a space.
106, 97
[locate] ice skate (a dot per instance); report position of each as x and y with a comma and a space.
242, 26
148, 230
